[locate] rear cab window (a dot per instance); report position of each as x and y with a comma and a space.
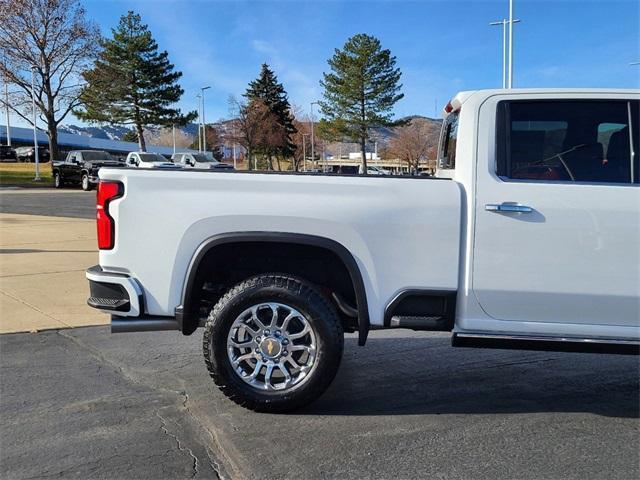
568, 140
448, 141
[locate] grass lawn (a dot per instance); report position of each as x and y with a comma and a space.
22, 174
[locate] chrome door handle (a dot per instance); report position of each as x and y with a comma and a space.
508, 207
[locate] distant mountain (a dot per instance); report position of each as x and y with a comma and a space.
107, 132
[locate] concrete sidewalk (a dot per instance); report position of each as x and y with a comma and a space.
42, 264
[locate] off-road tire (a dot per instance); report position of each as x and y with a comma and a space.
285, 289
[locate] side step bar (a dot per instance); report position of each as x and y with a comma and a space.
142, 324
553, 344
433, 324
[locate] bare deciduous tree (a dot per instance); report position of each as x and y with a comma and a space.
55, 39
256, 128
412, 144
165, 137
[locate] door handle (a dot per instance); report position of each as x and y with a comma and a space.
508, 208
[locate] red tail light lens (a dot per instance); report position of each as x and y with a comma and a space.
107, 191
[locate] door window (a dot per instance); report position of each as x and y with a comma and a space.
575, 141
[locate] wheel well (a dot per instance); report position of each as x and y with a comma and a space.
223, 265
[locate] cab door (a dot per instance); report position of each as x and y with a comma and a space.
557, 215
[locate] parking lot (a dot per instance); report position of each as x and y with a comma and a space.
83, 403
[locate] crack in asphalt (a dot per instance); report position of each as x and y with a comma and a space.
97, 354
179, 443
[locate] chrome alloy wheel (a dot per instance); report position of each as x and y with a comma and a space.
272, 346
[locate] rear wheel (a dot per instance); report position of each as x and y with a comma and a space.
273, 343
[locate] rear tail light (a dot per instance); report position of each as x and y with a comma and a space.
107, 191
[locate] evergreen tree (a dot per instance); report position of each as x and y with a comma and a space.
361, 90
132, 83
269, 91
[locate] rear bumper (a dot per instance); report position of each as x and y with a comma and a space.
114, 292
121, 296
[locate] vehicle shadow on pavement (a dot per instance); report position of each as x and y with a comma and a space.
427, 376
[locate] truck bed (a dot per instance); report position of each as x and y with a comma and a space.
410, 226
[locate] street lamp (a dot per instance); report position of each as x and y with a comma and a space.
204, 124
504, 22
510, 44
304, 151
198, 96
35, 130
313, 151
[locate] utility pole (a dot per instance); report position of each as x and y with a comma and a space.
313, 152
173, 133
504, 22
204, 123
35, 129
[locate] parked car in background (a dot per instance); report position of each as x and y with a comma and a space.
28, 154
148, 160
199, 160
373, 170
7, 154
81, 168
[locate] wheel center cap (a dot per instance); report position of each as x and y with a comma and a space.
270, 347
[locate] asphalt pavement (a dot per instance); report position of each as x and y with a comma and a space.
73, 203
84, 403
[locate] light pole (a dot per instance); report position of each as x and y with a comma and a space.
510, 84
199, 119
304, 151
204, 124
504, 23
35, 130
313, 151
173, 134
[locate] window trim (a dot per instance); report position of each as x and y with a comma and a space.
502, 141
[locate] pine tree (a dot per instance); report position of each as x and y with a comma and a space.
361, 90
268, 90
132, 83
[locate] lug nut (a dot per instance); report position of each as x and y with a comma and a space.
258, 339
277, 333
266, 332
285, 353
285, 342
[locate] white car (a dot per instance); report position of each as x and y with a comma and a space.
199, 160
373, 170
527, 239
148, 160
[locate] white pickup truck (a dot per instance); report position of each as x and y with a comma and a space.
529, 238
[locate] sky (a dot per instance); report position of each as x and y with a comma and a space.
442, 47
